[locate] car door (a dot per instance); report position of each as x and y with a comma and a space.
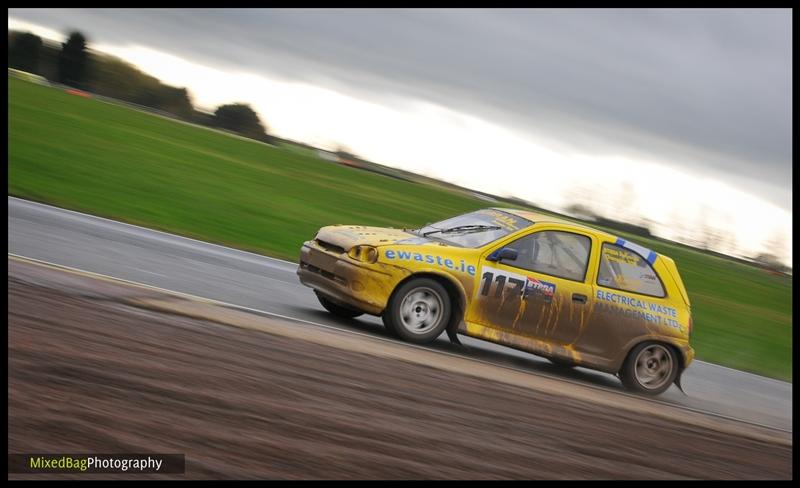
543, 292
630, 301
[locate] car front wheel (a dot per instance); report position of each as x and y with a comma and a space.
418, 311
650, 368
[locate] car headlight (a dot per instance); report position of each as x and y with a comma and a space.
366, 254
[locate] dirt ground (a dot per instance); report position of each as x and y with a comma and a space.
90, 372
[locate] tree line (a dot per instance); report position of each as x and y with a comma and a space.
72, 63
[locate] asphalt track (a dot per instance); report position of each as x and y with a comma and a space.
270, 285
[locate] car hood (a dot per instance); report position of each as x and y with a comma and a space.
347, 236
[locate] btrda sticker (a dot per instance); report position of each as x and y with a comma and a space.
539, 289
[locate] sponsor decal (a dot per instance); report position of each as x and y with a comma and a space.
539, 288
619, 256
434, 259
508, 221
616, 303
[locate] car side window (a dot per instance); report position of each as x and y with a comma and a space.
551, 252
623, 269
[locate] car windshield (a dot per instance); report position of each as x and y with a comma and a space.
474, 229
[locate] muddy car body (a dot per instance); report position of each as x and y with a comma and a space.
573, 294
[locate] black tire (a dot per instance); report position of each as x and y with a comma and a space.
656, 371
336, 309
427, 308
562, 363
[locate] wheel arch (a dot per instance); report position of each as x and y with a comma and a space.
455, 291
453, 287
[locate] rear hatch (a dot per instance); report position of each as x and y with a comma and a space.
673, 272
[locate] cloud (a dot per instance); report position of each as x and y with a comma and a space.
704, 89
708, 90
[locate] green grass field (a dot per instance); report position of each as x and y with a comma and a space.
116, 162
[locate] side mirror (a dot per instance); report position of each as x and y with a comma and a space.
503, 253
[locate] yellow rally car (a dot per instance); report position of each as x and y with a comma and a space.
575, 295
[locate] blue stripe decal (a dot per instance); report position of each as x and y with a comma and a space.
651, 255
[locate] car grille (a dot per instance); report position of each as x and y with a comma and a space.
330, 247
322, 272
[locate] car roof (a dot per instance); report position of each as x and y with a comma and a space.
537, 217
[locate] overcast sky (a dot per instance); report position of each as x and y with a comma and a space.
701, 95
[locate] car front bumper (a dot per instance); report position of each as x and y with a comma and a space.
339, 278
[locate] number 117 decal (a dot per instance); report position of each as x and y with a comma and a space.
506, 282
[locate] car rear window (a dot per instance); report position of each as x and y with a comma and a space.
624, 269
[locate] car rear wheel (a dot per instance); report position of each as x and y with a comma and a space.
418, 311
336, 309
650, 368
